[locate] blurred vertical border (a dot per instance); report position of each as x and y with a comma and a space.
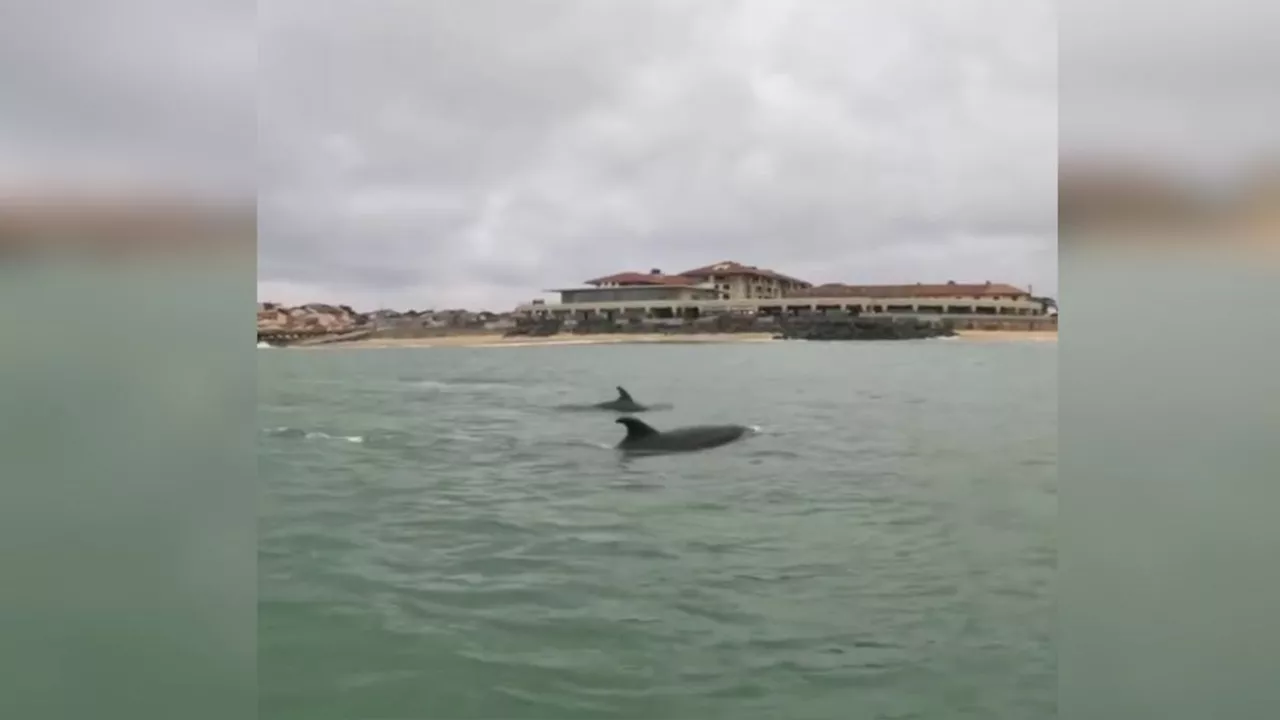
127, 458
127, 363
1169, 212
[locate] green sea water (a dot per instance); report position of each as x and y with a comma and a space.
438, 540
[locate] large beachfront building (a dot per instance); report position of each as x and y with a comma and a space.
736, 288
736, 281
631, 288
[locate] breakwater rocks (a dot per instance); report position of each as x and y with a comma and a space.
546, 327
817, 327
540, 328
871, 328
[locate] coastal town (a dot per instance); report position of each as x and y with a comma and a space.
728, 297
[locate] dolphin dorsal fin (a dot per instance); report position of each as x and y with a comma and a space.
636, 428
623, 394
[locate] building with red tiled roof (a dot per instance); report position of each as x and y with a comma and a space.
640, 288
950, 298
739, 281
737, 288
653, 277
968, 291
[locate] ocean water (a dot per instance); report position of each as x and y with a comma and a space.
437, 540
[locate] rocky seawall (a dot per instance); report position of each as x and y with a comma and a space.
322, 324
818, 327
873, 328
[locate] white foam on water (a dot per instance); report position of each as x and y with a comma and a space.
286, 431
460, 385
327, 436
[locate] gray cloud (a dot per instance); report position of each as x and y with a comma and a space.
437, 152
434, 152
1188, 84
157, 92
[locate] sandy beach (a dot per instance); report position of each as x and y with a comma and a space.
1010, 335
496, 340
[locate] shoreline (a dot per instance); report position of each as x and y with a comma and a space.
497, 340
1009, 335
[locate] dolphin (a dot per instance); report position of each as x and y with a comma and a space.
622, 403
641, 438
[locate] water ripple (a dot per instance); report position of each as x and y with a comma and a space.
883, 547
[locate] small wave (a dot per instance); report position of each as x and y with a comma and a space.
583, 444
463, 437
591, 407
458, 385
327, 436
290, 432
786, 454
576, 407
285, 432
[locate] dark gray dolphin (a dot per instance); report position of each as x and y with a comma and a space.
622, 403
641, 438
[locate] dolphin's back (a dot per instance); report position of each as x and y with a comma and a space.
624, 402
641, 437
699, 436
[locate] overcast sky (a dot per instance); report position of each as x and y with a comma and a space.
432, 153
111, 95
436, 153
